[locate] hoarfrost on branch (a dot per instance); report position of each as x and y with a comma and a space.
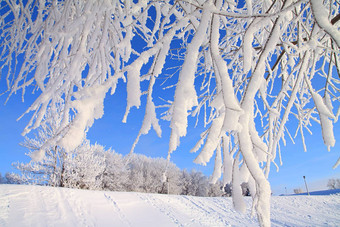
247, 66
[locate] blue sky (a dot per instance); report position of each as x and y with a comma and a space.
316, 164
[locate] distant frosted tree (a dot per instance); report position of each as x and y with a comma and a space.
241, 67
215, 190
47, 167
85, 166
171, 184
185, 182
115, 175
135, 175
333, 183
194, 183
146, 175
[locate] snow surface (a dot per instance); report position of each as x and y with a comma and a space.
22, 205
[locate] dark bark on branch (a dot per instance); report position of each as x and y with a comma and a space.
335, 19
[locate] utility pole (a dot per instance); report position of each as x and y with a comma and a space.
168, 184
304, 178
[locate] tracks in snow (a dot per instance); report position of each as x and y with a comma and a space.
47, 206
162, 207
197, 211
117, 209
23, 205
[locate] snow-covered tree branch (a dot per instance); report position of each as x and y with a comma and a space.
247, 66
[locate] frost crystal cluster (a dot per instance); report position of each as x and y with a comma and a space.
241, 67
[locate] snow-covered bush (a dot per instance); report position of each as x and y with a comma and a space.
215, 190
298, 191
14, 178
228, 190
34, 173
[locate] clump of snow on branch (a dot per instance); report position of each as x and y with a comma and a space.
249, 68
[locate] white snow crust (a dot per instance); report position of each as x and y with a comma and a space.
22, 205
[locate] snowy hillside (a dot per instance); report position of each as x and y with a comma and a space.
45, 206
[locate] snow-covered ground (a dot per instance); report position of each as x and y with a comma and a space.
22, 205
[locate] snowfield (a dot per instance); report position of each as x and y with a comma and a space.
22, 205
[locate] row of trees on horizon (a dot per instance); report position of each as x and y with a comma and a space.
94, 168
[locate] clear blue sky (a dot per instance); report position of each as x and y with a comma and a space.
316, 164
